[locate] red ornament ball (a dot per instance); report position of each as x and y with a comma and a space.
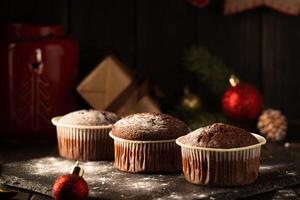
70, 186
199, 3
242, 102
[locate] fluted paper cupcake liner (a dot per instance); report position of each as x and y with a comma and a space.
161, 156
221, 167
84, 142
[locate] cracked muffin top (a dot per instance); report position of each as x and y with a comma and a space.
219, 135
149, 126
89, 118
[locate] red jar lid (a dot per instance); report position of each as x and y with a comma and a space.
20, 31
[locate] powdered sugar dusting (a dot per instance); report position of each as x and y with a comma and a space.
144, 121
89, 118
106, 182
100, 176
219, 135
149, 126
192, 138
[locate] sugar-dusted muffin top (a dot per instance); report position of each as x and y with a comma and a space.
89, 118
219, 135
149, 126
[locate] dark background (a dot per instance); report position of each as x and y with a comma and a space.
262, 46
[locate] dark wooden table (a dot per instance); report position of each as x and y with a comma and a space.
282, 182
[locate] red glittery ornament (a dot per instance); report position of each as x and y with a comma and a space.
242, 102
70, 186
199, 3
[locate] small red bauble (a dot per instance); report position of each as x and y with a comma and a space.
70, 186
199, 3
242, 102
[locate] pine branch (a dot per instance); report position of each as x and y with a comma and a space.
209, 69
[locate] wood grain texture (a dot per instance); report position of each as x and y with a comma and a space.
164, 29
236, 39
4, 14
101, 27
280, 61
260, 45
47, 11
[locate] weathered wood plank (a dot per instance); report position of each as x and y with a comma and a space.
47, 11
280, 63
164, 30
101, 27
4, 11
236, 39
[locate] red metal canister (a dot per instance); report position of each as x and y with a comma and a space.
38, 70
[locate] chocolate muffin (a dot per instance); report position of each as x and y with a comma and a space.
145, 143
220, 135
89, 118
84, 135
220, 155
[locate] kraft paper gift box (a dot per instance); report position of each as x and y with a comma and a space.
135, 100
111, 86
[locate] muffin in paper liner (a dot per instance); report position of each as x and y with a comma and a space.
84, 143
157, 156
221, 167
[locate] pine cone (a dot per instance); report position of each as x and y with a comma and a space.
272, 123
